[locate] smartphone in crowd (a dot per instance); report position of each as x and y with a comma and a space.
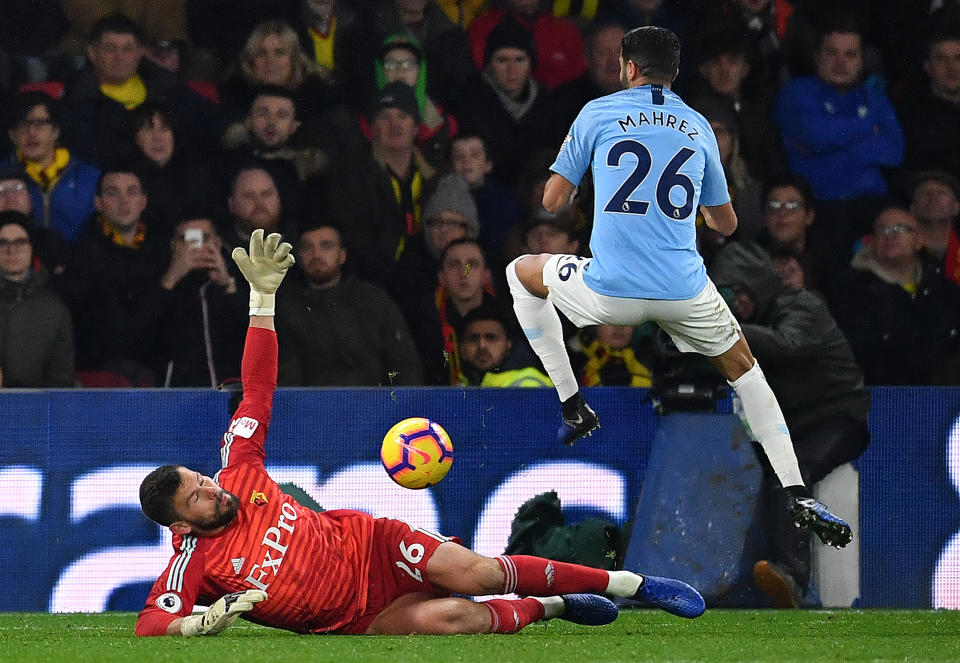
193, 237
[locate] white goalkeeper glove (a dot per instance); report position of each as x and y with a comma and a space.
224, 612
263, 268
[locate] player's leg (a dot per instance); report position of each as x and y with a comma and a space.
763, 416
432, 615
705, 324
760, 409
460, 570
429, 614
541, 325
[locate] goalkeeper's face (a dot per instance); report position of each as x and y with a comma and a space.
202, 504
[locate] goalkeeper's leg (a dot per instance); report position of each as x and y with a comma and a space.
428, 614
463, 571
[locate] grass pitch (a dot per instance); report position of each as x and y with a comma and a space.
638, 635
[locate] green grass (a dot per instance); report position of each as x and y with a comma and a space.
720, 635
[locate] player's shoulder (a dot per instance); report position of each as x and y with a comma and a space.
188, 544
613, 102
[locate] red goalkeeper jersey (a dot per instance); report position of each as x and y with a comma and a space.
313, 566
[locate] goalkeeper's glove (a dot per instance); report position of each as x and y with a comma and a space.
224, 612
263, 268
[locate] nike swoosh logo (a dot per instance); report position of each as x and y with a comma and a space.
424, 456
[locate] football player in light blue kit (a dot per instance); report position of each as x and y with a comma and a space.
654, 161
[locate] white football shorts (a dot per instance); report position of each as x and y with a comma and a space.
702, 324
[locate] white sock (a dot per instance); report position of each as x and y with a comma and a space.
623, 584
765, 420
541, 325
553, 606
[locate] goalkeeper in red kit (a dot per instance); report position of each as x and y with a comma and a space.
246, 549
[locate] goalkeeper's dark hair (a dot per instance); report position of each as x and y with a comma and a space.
655, 52
156, 494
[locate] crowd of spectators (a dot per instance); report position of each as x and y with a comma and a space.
403, 145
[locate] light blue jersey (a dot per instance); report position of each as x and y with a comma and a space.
654, 161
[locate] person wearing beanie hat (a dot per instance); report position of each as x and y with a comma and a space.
559, 46
449, 216
510, 34
506, 106
401, 59
451, 204
396, 95
718, 109
377, 197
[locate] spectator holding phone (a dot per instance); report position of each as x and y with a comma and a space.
203, 326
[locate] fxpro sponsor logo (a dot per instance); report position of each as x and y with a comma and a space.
273, 540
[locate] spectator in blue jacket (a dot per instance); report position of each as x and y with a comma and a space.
840, 131
61, 186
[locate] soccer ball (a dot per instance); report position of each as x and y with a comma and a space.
416, 453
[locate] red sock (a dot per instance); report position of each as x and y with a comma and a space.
508, 616
536, 576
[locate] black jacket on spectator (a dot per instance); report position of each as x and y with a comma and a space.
36, 335
365, 207
802, 351
186, 187
899, 337
350, 334
115, 296
931, 132
509, 141
202, 331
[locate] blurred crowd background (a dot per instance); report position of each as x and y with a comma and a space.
402, 147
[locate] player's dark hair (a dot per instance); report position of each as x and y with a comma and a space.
798, 182
156, 494
654, 50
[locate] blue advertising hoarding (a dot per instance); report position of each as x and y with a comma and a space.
71, 462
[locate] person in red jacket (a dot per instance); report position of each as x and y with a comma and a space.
245, 548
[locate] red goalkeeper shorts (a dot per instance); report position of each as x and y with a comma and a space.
398, 564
